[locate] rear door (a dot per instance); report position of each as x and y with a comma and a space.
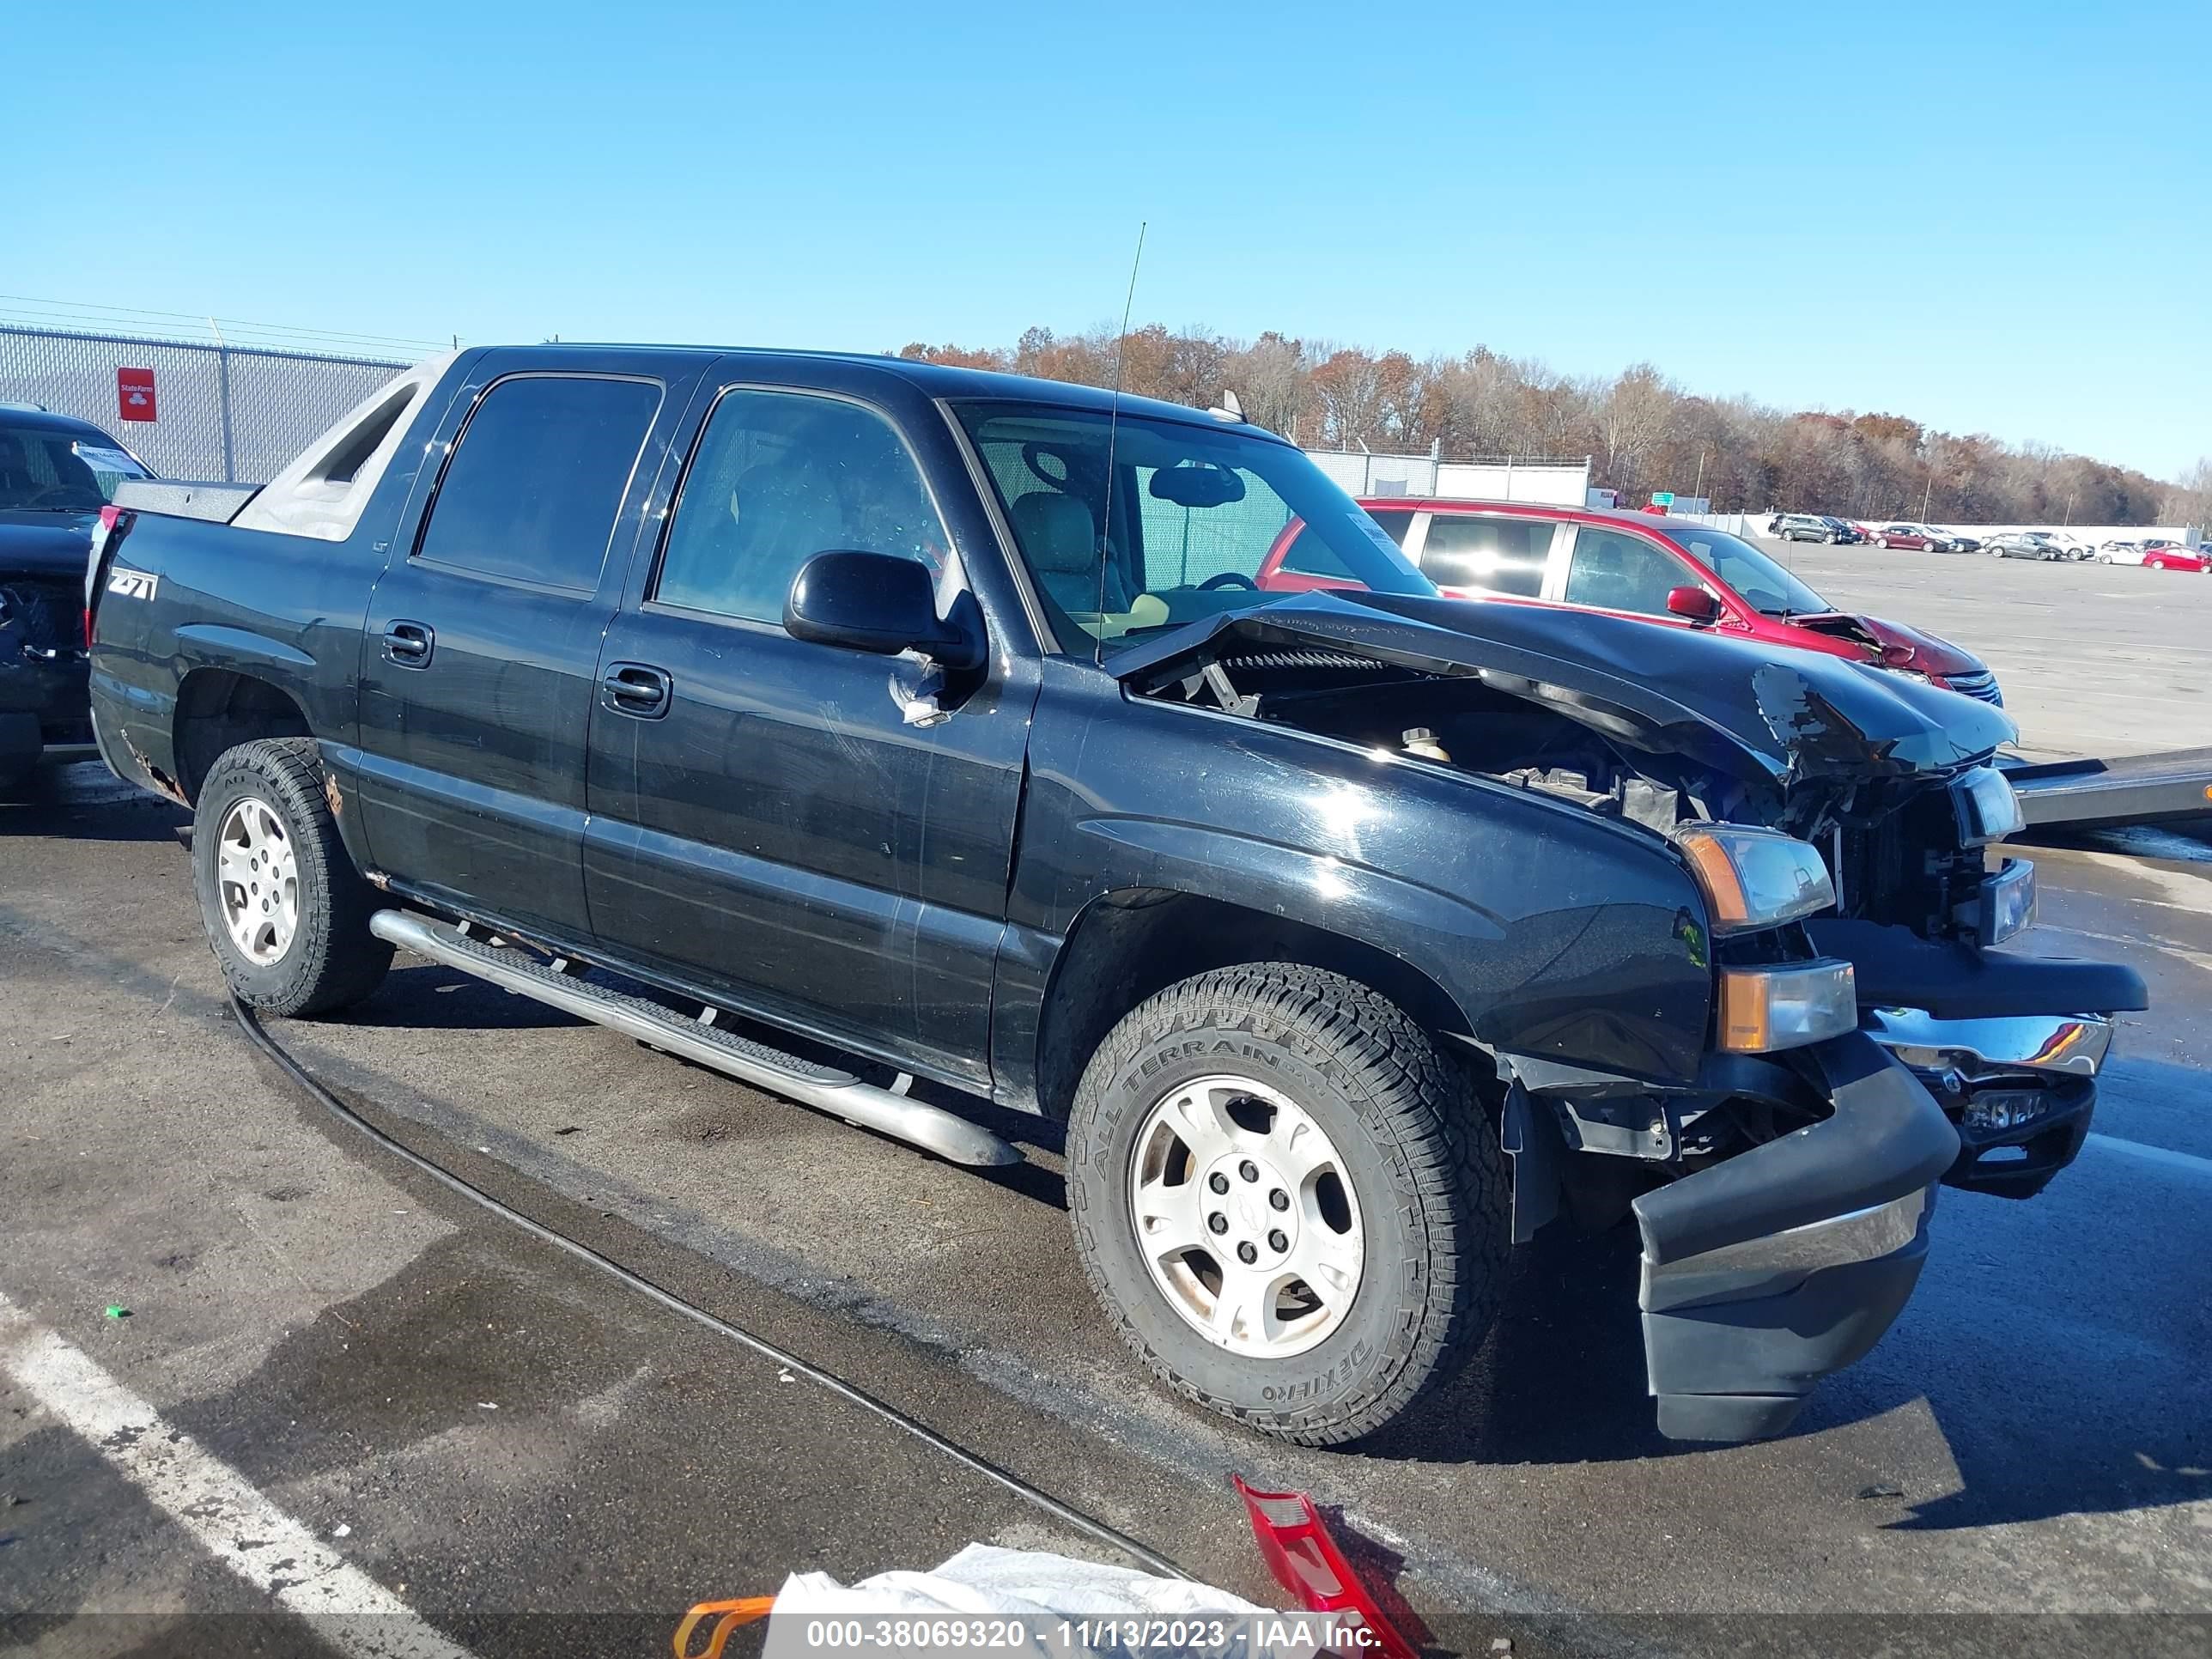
482, 646
1490, 555
813, 834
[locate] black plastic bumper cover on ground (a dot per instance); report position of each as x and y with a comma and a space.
1763, 1274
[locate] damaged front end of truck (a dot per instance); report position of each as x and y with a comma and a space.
1868, 1040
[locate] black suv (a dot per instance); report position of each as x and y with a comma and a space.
56, 473
941, 719
1811, 527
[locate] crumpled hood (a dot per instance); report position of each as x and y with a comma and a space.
33, 542
1777, 716
1930, 653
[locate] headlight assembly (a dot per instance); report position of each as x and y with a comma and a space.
1988, 808
1755, 878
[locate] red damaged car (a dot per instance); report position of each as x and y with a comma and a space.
1670, 571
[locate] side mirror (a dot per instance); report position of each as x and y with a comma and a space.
881, 604
1693, 603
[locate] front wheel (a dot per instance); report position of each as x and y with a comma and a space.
1287, 1200
283, 907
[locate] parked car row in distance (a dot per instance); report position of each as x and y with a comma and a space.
2158, 553
1922, 538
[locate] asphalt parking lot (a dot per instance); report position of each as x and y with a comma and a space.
529, 1458
2094, 659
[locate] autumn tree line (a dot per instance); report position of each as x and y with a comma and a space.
1641, 431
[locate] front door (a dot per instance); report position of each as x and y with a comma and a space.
816, 834
479, 662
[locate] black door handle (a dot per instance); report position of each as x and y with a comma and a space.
636, 688
409, 643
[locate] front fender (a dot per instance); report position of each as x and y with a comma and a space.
1555, 934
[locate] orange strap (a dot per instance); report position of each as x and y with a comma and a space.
743, 1610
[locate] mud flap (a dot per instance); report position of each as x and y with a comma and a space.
1764, 1273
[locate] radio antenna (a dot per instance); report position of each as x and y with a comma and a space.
1113, 424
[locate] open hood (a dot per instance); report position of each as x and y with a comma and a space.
1779, 718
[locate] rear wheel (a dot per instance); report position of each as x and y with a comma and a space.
284, 909
1287, 1200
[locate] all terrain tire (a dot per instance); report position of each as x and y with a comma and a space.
285, 910
1320, 1137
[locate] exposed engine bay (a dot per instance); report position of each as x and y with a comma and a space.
1894, 845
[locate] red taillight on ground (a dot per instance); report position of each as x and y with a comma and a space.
1296, 1545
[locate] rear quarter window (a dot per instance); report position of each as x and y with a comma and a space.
537, 479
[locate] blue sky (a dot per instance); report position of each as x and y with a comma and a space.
1994, 217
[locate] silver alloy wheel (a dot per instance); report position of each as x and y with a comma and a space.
257, 878
1245, 1216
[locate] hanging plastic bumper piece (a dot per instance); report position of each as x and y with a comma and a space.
1763, 1273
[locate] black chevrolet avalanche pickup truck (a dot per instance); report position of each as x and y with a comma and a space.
849, 724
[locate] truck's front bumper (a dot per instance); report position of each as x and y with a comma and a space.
1763, 1273
2020, 1090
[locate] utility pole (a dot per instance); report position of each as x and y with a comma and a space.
1928, 495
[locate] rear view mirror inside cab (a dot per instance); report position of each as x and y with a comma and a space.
1197, 483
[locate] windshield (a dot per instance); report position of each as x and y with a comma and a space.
1194, 527
1763, 585
59, 469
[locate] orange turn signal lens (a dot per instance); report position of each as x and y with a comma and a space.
1754, 877
1765, 1009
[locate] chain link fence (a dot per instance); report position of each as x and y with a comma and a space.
1553, 480
236, 413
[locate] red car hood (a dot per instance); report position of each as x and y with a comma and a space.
1894, 644
1931, 653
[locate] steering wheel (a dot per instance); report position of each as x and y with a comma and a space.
1226, 579
37, 495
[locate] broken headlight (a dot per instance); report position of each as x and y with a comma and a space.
1755, 878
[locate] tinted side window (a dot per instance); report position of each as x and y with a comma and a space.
779, 477
537, 479
1616, 572
1503, 555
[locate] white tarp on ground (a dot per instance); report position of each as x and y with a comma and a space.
1062, 1605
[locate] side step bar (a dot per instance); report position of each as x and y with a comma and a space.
825, 1087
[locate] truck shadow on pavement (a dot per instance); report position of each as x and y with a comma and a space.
61, 806
2036, 1424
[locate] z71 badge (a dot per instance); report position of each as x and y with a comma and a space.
132, 584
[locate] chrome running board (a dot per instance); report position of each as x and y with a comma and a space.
824, 1087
